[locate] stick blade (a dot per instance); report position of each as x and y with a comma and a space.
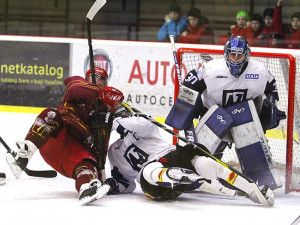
95, 8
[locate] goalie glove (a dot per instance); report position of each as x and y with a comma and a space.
112, 97
270, 115
19, 159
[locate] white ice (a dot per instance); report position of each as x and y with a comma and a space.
41, 201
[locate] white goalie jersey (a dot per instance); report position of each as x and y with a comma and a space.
223, 89
139, 144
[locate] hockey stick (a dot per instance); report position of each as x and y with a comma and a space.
233, 174
32, 173
89, 17
190, 132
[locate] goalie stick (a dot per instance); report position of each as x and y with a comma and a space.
234, 172
89, 17
32, 173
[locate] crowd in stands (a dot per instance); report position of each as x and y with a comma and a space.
266, 30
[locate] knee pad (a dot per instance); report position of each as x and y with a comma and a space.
213, 127
251, 145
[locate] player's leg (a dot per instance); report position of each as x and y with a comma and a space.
48, 123
87, 182
212, 128
251, 145
210, 169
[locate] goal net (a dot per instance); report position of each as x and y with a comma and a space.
283, 140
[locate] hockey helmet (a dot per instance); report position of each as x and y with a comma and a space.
237, 54
99, 73
123, 112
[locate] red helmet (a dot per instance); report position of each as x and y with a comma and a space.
99, 72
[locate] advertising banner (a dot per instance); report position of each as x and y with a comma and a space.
144, 72
32, 73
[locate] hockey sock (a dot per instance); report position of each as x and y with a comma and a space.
84, 172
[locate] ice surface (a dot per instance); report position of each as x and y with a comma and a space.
41, 201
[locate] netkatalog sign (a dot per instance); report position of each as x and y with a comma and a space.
32, 73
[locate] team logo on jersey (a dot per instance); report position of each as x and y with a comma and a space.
101, 59
233, 96
252, 76
136, 157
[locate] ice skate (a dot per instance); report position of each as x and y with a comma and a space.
265, 197
183, 176
2, 178
92, 191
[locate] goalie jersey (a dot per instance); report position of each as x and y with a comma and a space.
218, 86
140, 143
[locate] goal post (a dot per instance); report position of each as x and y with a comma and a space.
283, 140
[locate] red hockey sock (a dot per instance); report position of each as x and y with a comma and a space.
84, 172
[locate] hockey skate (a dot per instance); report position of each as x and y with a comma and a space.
92, 191
19, 159
265, 196
182, 176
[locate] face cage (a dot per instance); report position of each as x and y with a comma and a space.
236, 69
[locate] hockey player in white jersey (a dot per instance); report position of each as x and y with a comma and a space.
164, 171
238, 88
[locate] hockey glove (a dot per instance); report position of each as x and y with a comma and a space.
112, 97
114, 186
270, 115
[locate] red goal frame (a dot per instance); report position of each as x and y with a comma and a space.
291, 100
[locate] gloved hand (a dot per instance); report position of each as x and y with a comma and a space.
112, 97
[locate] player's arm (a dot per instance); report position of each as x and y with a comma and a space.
188, 103
119, 184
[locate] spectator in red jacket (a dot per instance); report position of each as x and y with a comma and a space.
253, 34
198, 31
292, 32
239, 29
273, 31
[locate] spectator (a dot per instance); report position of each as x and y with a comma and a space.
272, 33
174, 24
198, 31
236, 30
253, 33
292, 32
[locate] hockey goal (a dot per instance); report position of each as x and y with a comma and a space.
283, 140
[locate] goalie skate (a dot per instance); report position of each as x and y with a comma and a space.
92, 191
183, 176
264, 196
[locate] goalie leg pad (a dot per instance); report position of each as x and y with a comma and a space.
184, 109
212, 127
251, 145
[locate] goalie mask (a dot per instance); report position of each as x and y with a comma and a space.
237, 53
100, 74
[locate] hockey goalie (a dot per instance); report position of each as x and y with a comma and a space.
235, 98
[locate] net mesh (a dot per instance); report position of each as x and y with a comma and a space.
277, 138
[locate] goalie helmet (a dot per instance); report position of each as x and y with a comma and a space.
99, 73
237, 53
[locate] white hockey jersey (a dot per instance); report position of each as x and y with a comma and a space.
224, 89
141, 143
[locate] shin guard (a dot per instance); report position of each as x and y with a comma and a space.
251, 145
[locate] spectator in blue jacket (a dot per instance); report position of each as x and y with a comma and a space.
174, 24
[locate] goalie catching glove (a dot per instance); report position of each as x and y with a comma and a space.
112, 97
